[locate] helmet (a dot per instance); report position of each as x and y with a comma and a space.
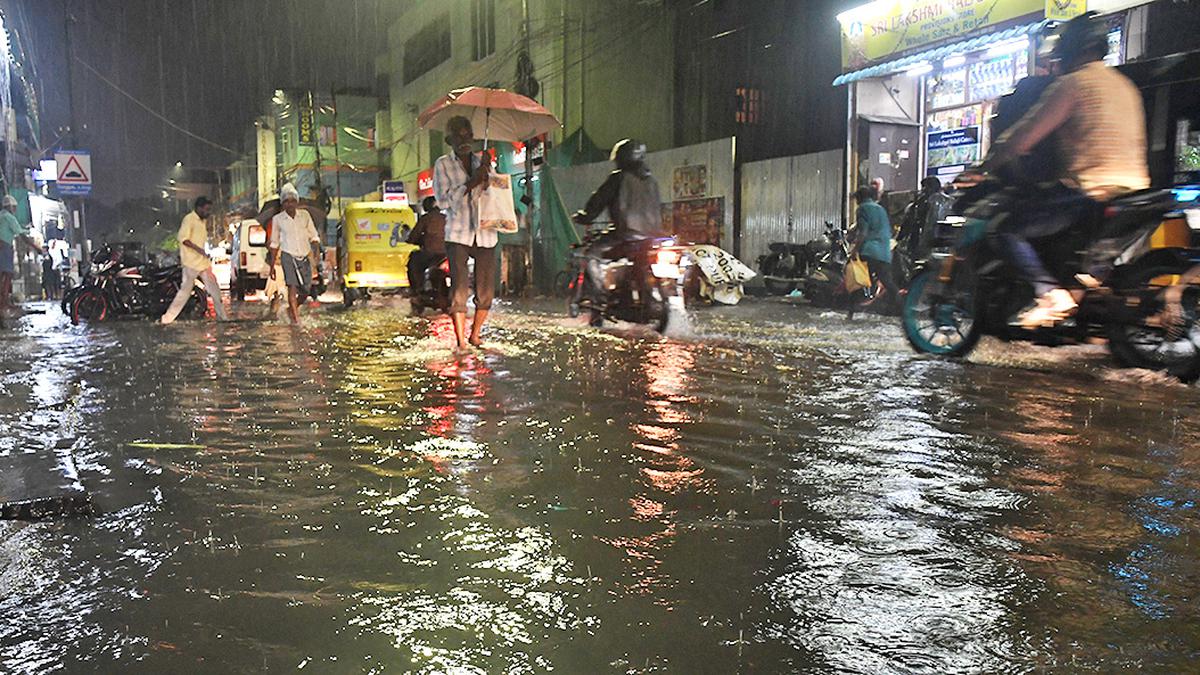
1082, 36
8, 201
628, 153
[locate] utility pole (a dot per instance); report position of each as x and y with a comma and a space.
78, 227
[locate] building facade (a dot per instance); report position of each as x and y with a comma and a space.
605, 68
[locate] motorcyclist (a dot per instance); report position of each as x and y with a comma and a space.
1040, 164
631, 197
430, 234
1098, 123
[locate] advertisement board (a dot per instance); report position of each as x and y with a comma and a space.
886, 28
695, 221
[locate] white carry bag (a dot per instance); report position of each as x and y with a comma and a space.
496, 210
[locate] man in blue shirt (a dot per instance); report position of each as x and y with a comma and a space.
10, 231
873, 240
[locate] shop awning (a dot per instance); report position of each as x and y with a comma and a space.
939, 53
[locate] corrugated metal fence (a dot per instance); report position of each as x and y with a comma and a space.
789, 199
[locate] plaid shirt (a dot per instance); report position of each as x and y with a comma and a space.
450, 188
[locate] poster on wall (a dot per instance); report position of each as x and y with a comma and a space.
690, 182
952, 150
695, 221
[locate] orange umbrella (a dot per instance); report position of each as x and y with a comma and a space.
501, 114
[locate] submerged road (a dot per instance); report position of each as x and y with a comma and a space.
769, 489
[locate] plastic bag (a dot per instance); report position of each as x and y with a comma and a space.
857, 274
496, 209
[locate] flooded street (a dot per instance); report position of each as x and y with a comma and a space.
773, 489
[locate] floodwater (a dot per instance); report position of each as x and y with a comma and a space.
774, 489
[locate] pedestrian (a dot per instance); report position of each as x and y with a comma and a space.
50, 283
877, 188
296, 247
921, 217
193, 235
430, 234
873, 240
457, 178
10, 231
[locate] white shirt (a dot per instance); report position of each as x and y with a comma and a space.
294, 235
460, 205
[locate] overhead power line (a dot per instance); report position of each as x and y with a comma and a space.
152, 111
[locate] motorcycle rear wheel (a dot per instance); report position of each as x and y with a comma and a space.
659, 307
89, 306
1150, 347
940, 323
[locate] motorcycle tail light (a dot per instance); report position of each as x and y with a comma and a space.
668, 257
445, 266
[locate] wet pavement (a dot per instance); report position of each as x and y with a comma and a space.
771, 489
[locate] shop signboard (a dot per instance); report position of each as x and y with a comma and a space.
1064, 10
394, 193
425, 184
888, 28
265, 151
953, 150
307, 120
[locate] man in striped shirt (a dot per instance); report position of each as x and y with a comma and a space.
457, 177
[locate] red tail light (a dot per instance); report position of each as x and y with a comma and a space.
445, 266
243, 265
357, 265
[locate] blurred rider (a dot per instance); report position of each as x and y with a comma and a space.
1096, 117
430, 234
631, 197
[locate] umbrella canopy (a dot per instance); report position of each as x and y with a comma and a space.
272, 207
495, 114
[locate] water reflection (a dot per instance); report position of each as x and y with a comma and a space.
349, 496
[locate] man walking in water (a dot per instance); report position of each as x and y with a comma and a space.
193, 235
457, 177
295, 246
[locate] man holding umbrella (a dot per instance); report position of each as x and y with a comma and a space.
457, 178
460, 176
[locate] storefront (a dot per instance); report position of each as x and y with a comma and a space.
923, 78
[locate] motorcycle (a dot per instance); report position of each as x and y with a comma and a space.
825, 285
434, 291
785, 267
1146, 305
118, 285
637, 284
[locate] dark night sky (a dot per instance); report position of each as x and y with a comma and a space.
220, 61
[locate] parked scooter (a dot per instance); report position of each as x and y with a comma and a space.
785, 267
825, 286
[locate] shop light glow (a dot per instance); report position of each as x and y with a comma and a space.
1010, 47
954, 61
919, 69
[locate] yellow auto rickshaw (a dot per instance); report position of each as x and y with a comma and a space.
373, 251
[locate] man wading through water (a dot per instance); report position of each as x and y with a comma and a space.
193, 235
457, 177
296, 246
